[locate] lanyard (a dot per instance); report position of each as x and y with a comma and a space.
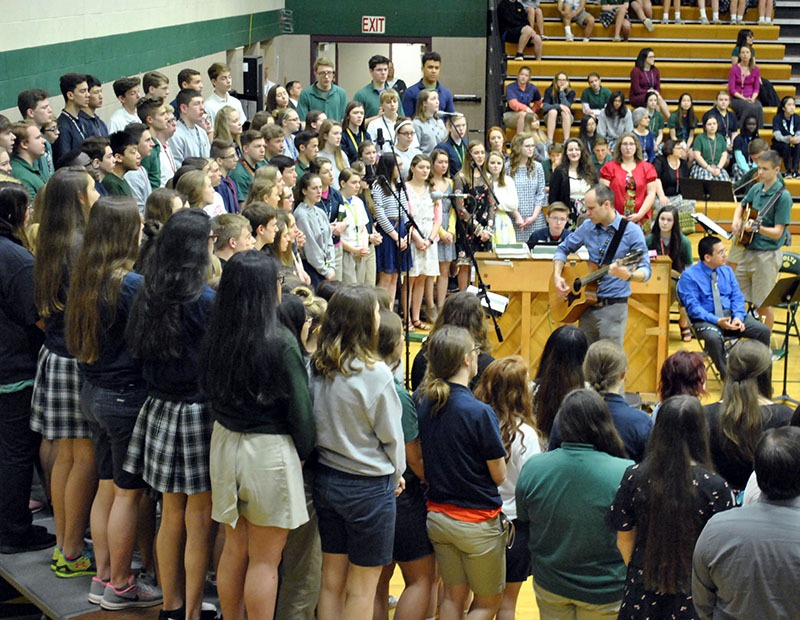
460, 150
75, 123
165, 149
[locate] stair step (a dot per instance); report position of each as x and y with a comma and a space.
692, 29
669, 90
668, 70
603, 47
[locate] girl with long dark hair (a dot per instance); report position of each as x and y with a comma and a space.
682, 122
393, 255
660, 508
573, 177
171, 439
102, 288
55, 409
667, 239
560, 371
646, 79
256, 382
786, 135
615, 119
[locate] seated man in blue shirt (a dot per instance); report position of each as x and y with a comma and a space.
608, 317
557, 218
720, 313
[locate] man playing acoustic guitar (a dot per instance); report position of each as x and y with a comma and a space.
598, 234
762, 230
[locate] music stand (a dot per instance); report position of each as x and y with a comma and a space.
704, 190
786, 291
710, 226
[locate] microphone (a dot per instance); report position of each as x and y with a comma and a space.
440, 195
380, 140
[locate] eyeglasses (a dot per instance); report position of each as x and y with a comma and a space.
405, 133
324, 73
282, 278
558, 220
51, 129
475, 349
213, 237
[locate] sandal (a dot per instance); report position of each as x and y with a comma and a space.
686, 334
409, 327
420, 325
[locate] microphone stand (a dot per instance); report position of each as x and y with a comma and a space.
483, 288
401, 191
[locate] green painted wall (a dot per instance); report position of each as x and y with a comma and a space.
109, 58
407, 18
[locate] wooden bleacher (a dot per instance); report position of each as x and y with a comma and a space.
691, 57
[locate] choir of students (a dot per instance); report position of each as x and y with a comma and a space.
240, 369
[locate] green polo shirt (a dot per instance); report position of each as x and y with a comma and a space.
29, 175
332, 102
152, 165
780, 213
243, 179
595, 100
564, 496
299, 169
370, 98
116, 186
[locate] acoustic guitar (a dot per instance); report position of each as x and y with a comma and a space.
583, 276
745, 237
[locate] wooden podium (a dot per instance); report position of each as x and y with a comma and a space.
526, 323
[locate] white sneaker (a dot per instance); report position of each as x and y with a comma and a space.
704, 20
616, 39
648, 23
585, 39
570, 37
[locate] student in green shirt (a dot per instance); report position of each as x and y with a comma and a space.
28, 147
563, 497
125, 147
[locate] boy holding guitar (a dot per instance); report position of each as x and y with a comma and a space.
608, 241
759, 224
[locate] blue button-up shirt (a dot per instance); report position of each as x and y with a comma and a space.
596, 238
694, 289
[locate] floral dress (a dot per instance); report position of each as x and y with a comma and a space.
630, 511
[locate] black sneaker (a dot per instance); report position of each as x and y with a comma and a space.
37, 539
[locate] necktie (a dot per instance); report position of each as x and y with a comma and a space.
715, 293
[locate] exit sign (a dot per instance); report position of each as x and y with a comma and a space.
373, 25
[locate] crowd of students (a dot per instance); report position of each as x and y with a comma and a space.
209, 323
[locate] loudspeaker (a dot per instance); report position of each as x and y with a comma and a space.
253, 74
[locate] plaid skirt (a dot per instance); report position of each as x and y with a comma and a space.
170, 446
607, 18
705, 175
55, 405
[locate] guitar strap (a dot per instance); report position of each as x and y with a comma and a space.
611, 250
